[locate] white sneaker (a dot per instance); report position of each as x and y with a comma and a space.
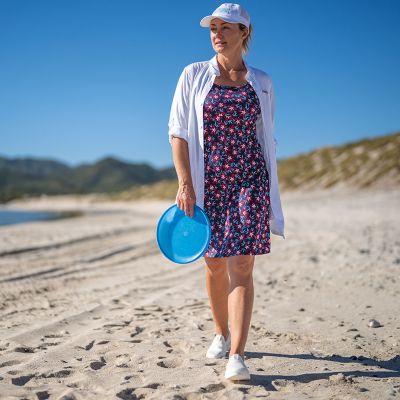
236, 370
219, 347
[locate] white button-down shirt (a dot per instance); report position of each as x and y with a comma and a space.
186, 121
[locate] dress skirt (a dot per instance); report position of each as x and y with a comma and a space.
236, 181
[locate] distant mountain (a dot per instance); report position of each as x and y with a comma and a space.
30, 176
112, 175
32, 166
367, 163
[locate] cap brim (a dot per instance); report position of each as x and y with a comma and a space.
205, 22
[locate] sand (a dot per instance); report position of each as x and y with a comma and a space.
90, 308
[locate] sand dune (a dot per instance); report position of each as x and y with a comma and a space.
90, 309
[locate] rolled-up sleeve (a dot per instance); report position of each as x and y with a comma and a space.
179, 114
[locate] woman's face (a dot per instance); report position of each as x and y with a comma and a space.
226, 37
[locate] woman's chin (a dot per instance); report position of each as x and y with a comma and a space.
220, 50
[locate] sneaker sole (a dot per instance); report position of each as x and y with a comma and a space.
214, 357
238, 377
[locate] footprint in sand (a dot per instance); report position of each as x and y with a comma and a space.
150, 307
58, 374
143, 315
98, 364
43, 395
137, 330
24, 349
123, 360
177, 344
140, 392
112, 327
153, 385
44, 346
170, 363
86, 347
212, 387
127, 394
56, 335
21, 380
9, 363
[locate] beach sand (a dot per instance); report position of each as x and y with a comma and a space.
90, 308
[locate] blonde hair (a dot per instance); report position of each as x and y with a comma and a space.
245, 45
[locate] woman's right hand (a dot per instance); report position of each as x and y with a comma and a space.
186, 199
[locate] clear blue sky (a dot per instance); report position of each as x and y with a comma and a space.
85, 79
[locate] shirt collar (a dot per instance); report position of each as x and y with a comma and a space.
214, 66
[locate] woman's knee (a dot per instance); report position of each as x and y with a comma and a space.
216, 265
241, 266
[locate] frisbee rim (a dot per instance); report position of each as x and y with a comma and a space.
208, 233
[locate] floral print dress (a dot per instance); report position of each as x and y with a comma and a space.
236, 181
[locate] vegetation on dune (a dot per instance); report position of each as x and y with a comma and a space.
360, 164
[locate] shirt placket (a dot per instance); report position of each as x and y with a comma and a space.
204, 94
207, 87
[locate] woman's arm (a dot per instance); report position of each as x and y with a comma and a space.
179, 137
186, 197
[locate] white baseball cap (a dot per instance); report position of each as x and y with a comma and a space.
229, 12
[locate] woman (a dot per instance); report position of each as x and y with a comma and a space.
220, 130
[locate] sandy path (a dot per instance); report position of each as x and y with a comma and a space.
90, 309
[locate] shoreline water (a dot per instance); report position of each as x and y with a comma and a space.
10, 216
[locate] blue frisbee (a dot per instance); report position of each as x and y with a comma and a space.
183, 239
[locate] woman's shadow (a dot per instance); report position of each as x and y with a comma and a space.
384, 368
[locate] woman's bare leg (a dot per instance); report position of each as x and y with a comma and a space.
240, 300
217, 282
